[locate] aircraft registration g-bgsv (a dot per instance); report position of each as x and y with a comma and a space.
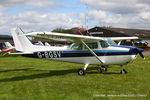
85, 49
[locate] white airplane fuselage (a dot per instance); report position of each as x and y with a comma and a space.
112, 55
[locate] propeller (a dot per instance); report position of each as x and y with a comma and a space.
139, 51
141, 54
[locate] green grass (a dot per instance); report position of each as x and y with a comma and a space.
24, 78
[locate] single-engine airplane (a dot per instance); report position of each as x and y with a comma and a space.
85, 49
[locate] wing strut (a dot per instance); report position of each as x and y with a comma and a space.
91, 51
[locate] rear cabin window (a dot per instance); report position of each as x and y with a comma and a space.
77, 47
92, 45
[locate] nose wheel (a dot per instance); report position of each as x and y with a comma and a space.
123, 71
81, 72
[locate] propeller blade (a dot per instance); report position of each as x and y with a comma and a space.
141, 54
139, 51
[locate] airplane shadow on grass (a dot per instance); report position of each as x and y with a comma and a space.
48, 73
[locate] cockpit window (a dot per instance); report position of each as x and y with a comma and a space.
104, 44
76, 47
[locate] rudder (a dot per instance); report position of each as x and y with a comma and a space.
22, 43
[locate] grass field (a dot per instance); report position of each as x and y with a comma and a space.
24, 78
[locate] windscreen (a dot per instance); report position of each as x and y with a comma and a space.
110, 41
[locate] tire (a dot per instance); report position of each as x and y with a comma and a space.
103, 69
81, 72
123, 72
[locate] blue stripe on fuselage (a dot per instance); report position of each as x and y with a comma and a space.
65, 54
84, 53
98, 53
121, 46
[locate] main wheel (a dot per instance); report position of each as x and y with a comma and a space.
123, 71
81, 72
103, 69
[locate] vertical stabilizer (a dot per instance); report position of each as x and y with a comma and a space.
8, 45
22, 43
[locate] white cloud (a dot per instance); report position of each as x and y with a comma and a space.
145, 15
13, 3
118, 6
35, 21
118, 13
97, 14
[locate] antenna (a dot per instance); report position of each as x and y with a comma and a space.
86, 19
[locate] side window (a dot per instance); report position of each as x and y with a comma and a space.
92, 45
104, 44
77, 47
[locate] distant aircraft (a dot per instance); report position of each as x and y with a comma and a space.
8, 45
9, 48
85, 49
142, 44
40, 43
47, 44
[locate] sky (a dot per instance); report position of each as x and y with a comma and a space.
46, 15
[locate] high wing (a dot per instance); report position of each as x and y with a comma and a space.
72, 38
123, 38
62, 37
